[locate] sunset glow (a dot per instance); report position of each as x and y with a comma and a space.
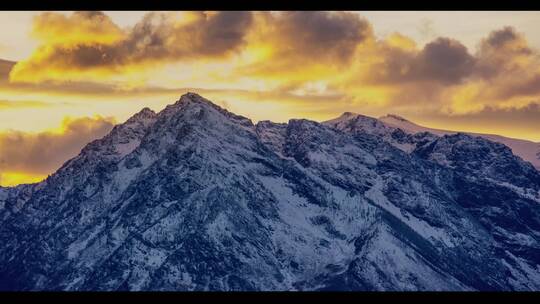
67, 77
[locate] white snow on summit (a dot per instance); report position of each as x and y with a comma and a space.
385, 125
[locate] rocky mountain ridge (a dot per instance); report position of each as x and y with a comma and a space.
197, 198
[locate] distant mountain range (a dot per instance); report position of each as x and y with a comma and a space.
197, 198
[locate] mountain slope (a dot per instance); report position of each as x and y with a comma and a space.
198, 198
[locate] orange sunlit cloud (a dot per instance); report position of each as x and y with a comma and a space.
89, 45
264, 65
30, 156
289, 51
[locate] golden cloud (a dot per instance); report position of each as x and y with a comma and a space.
324, 60
301, 41
524, 121
264, 65
86, 45
79, 28
36, 154
444, 76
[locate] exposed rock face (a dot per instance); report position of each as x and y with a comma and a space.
198, 198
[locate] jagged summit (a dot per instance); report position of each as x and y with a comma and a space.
192, 100
145, 114
195, 98
353, 122
348, 116
187, 99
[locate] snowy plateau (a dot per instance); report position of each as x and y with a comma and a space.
197, 198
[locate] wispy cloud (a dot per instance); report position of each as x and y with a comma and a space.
10, 104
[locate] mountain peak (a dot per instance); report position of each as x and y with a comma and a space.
348, 114
191, 97
144, 114
193, 101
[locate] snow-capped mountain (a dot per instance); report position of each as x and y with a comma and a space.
405, 134
527, 150
198, 198
404, 140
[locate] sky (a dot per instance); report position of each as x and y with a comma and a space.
67, 77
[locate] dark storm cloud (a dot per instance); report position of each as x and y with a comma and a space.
223, 32
443, 60
334, 34
499, 53
446, 60
86, 56
499, 38
156, 36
